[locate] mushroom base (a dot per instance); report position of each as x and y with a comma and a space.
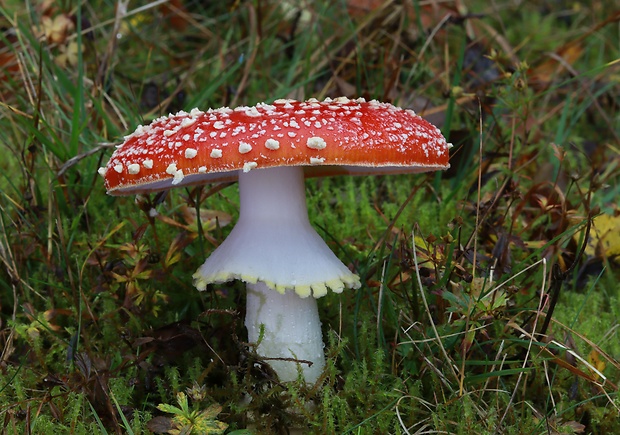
288, 332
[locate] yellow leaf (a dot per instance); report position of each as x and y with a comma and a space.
604, 239
597, 362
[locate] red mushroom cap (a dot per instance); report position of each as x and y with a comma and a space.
330, 137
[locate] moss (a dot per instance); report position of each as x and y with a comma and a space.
593, 314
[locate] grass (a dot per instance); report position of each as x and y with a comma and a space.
490, 296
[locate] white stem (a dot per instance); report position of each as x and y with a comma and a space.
291, 329
286, 265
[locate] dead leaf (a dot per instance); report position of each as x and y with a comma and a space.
57, 29
176, 14
210, 219
359, 8
160, 424
597, 363
604, 242
544, 73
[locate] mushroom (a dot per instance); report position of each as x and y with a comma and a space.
273, 248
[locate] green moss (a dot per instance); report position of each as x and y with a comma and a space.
594, 314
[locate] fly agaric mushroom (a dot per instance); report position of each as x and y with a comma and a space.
273, 248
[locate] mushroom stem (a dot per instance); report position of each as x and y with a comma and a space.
285, 323
290, 328
273, 201
286, 265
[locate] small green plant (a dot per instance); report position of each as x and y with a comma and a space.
188, 421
